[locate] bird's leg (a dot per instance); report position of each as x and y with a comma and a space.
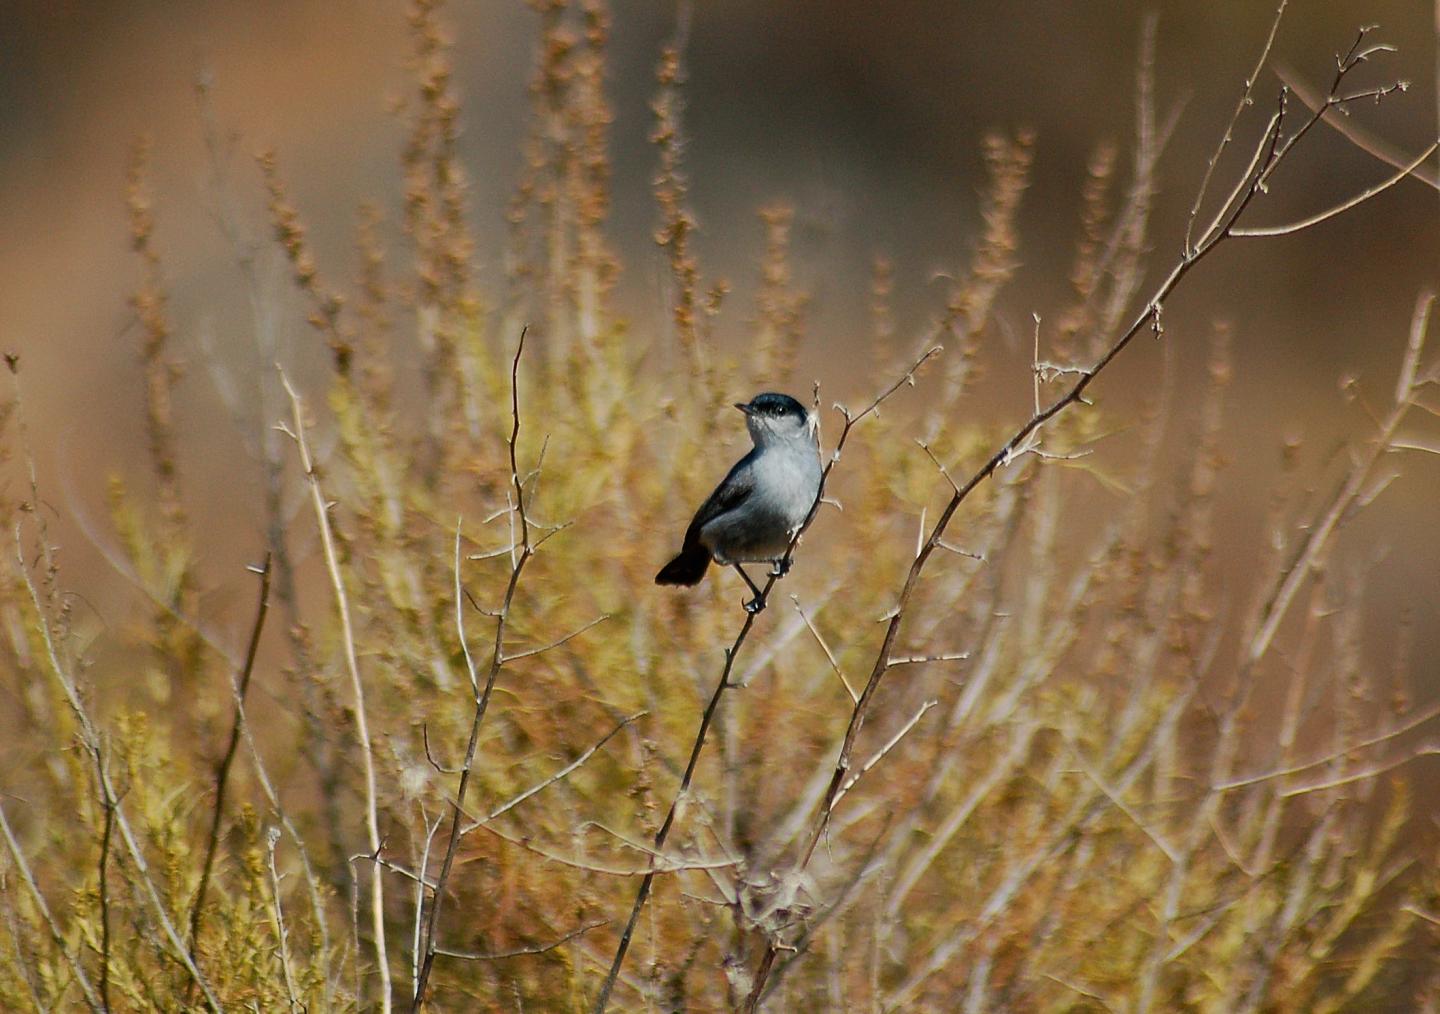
758, 602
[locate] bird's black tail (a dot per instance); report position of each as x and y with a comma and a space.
687, 568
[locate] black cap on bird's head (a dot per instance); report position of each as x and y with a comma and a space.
772, 417
772, 405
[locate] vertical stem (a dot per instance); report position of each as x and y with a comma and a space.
352, 665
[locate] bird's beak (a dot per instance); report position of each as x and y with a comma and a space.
743, 407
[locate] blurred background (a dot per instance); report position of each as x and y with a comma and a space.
866, 117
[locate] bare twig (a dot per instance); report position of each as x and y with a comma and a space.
530, 652
107, 836
1307, 555
520, 952
460, 628
1354, 132
357, 688
900, 734
947, 656
1414, 722
1343, 206
1097, 778
272, 838
557, 776
394, 867
1244, 101
417, 933
1362, 774
660, 862
222, 770
521, 555
829, 655
1420, 913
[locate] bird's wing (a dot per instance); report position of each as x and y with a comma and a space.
733, 490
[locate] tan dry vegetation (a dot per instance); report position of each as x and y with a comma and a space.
979, 753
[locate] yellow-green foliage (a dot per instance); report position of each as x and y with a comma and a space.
1053, 833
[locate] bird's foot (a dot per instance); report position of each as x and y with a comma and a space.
780, 567
753, 606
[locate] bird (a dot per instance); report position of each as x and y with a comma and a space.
764, 501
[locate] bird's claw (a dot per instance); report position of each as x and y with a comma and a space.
780, 567
753, 606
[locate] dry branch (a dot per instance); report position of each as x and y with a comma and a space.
222, 770
357, 688
521, 554
723, 684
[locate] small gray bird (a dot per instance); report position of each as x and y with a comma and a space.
757, 509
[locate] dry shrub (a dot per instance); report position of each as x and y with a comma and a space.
1080, 774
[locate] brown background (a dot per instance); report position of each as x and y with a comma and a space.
867, 116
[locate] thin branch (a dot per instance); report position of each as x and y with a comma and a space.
1343, 206
942, 544
1080, 990
1413, 722
1420, 913
222, 770
1362, 774
1410, 367
357, 688
660, 862
890, 745
944, 472
1352, 131
520, 952
949, 656
1098, 780
557, 776
273, 838
829, 655
417, 933
1309, 552
460, 629
531, 652
524, 551
1240, 106
394, 867
106, 837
